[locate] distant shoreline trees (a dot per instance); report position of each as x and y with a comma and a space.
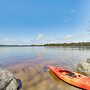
81, 44
69, 44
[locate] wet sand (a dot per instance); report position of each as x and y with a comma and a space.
38, 77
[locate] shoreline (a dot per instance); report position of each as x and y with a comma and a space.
71, 44
35, 76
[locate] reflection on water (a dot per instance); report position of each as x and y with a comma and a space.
51, 55
31, 65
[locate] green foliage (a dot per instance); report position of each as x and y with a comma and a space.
69, 44
78, 44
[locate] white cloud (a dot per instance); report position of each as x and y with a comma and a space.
86, 35
68, 37
40, 37
4, 40
7, 39
72, 11
88, 30
67, 19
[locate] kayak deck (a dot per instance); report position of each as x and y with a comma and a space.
72, 78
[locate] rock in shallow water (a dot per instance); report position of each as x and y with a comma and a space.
88, 60
84, 68
7, 80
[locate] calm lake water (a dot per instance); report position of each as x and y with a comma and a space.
30, 65
49, 55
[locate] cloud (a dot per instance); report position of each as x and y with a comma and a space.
72, 11
85, 35
40, 37
88, 30
67, 19
4, 41
68, 37
7, 39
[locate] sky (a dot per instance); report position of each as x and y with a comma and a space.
44, 21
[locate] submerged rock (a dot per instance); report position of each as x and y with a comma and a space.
7, 80
88, 60
45, 68
84, 68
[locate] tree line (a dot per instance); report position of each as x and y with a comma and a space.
69, 44
52, 44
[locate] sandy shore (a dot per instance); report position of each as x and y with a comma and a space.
38, 77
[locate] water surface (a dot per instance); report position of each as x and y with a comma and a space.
30, 65
62, 55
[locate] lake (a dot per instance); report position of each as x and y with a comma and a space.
30, 64
62, 55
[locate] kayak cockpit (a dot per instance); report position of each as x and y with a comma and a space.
71, 75
68, 73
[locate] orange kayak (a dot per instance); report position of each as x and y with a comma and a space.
72, 78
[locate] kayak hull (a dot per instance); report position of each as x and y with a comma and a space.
75, 79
